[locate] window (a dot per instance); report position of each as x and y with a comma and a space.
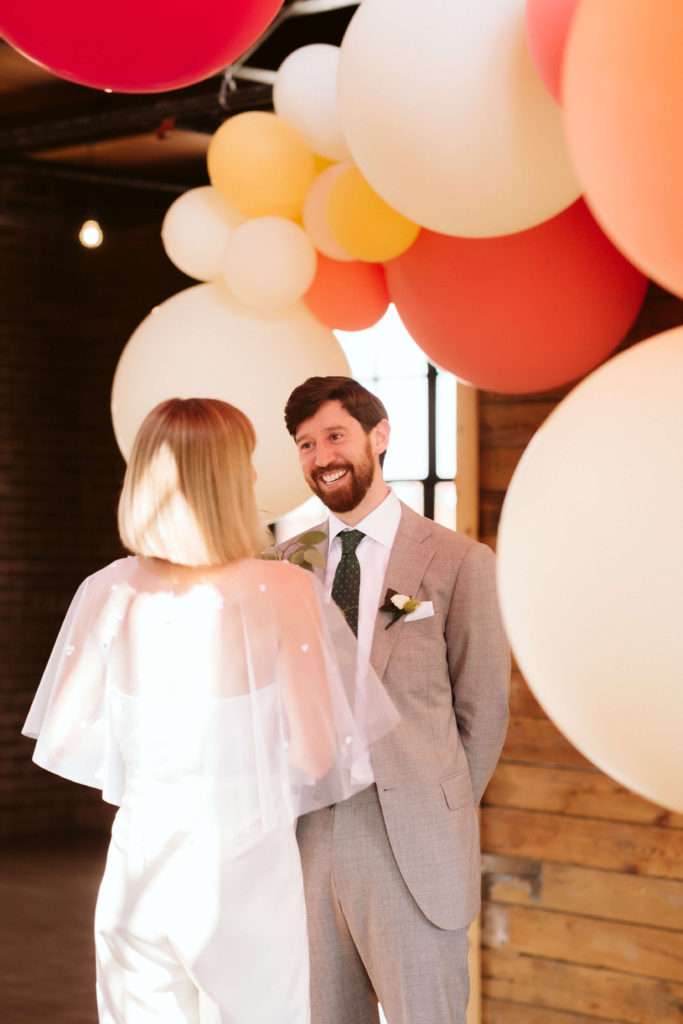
420, 463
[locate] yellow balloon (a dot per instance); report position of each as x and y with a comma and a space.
363, 224
260, 165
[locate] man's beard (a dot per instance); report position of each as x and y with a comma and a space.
357, 483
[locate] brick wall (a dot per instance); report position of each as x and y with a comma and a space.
65, 315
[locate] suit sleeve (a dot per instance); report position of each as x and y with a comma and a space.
479, 664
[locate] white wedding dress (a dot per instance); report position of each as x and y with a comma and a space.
213, 710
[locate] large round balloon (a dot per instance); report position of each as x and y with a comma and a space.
131, 46
196, 230
519, 313
362, 223
305, 95
447, 119
314, 213
623, 101
547, 26
203, 343
260, 165
590, 577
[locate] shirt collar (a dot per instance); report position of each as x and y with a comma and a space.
381, 524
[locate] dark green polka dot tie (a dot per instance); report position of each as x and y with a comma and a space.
346, 586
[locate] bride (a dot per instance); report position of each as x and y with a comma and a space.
209, 694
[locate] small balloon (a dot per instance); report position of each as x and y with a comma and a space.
315, 215
269, 262
195, 232
547, 28
305, 95
362, 223
260, 165
348, 296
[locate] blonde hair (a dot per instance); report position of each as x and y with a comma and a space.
188, 492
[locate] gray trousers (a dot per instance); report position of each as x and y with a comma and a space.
369, 940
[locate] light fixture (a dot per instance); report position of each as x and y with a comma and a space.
90, 234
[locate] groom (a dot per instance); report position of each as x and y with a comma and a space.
392, 875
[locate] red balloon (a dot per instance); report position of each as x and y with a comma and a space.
134, 45
518, 313
348, 296
547, 27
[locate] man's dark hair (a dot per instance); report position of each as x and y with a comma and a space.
306, 399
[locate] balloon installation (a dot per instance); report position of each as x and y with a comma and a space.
446, 117
132, 46
518, 313
590, 583
622, 100
203, 342
348, 296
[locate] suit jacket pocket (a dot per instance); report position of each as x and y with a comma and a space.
458, 790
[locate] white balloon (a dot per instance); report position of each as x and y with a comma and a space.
315, 217
590, 567
203, 343
447, 118
195, 232
269, 262
305, 95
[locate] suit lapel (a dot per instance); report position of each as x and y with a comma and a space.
411, 553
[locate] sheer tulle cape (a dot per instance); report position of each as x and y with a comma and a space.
241, 688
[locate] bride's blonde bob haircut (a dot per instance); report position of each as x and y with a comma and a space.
188, 492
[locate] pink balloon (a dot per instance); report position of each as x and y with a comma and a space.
547, 26
134, 45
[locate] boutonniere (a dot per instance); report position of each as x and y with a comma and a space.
398, 605
305, 554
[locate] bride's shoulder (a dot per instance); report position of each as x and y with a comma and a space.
278, 575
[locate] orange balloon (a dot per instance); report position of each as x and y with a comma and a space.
348, 296
260, 165
518, 313
362, 223
623, 105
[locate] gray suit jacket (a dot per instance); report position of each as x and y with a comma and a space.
448, 676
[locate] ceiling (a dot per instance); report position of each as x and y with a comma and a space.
52, 127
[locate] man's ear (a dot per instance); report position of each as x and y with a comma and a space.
381, 436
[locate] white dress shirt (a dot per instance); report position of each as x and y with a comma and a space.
373, 552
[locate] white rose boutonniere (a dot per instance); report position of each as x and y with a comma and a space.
398, 605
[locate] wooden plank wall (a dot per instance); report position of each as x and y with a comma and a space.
582, 919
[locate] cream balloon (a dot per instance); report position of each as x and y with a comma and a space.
269, 262
447, 119
195, 232
590, 575
315, 218
305, 95
203, 343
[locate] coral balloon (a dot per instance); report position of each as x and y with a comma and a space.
261, 165
362, 223
348, 296
589, 582
269, 262
305, 95
196, 230
202, 342
522, 312
547, 27
315, 216
131, 46
446, 117
623, 102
